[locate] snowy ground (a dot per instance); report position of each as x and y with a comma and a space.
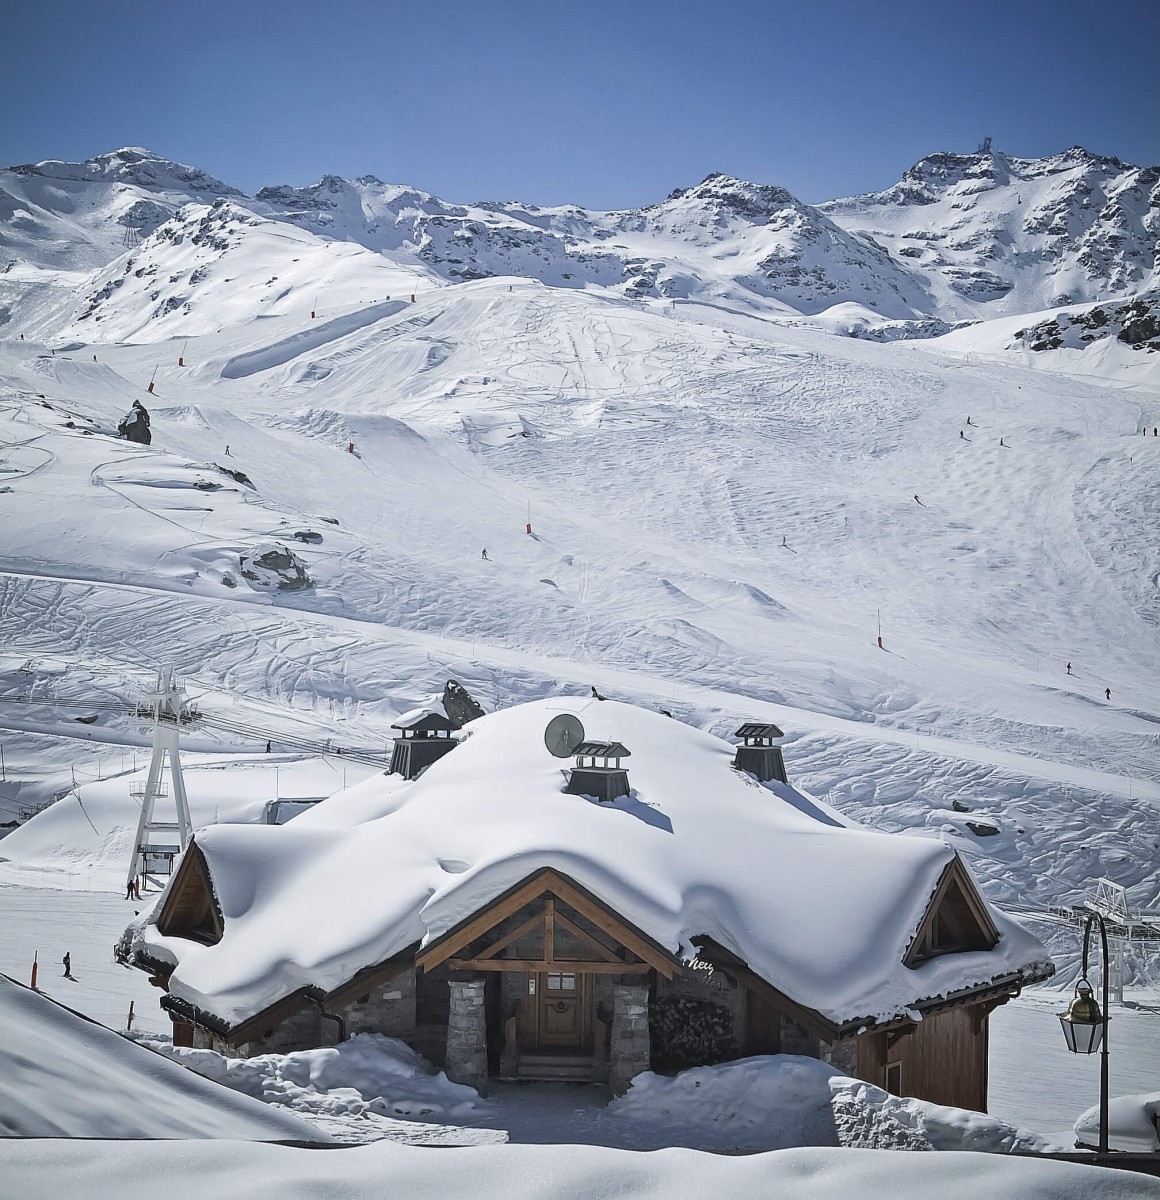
1036, 1085
45, 1170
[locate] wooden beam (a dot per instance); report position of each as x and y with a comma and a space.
586, 938
584, 966
515, 935
466, 932
603, 919
550, 926
551, 882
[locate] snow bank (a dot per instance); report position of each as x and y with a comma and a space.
62, 1075
696, 849
1133, 1124
368, 1073
775, 1102
192, 1171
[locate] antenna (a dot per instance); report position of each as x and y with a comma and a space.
170, 708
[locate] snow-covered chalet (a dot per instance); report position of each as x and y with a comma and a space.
507, 928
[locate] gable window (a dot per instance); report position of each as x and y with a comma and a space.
190, 910
957, 920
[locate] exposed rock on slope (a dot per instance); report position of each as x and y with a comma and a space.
1136, 323
1015, 234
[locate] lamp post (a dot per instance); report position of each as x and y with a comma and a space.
1084, 1027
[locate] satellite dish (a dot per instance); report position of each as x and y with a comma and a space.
563, 735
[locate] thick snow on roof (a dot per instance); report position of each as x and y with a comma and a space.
62, 1075
821, 908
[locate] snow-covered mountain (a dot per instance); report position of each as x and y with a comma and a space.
995, 235
210, 264
723, 236
961, 236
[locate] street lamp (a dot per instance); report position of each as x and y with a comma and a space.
1086, 1028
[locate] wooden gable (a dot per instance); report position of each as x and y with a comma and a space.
956, 919
548, 892
191, 909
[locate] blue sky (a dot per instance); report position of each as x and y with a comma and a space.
606, 104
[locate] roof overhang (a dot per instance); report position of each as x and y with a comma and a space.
547, 882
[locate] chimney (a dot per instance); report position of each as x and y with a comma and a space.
605, 781
760, 755
424, 738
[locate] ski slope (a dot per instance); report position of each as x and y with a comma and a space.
664, 455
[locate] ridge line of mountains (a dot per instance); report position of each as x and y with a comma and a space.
960, 238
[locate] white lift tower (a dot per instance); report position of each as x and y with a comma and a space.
170, 708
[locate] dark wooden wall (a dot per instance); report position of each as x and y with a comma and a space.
944, 1059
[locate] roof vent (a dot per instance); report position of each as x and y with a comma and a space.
761, 755
424, 737
605, 781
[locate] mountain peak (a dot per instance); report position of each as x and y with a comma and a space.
134, 165
755, 201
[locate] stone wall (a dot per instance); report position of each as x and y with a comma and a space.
305, 1030
842, 1055
466, 1060
629, 1042
388, 1009
796, 1040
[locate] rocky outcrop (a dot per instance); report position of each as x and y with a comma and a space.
1136, 323
459, 705
274, 568
134, 425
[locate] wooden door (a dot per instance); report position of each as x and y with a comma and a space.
563, 1015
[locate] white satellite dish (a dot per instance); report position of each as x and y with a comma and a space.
563, 735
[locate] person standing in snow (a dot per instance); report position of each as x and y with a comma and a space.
1069, 668
129, 888
67, 960
1107, 693
485, 554
136, 887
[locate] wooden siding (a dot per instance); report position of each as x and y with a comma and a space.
943, 1057
191, 910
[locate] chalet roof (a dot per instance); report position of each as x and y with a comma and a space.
816, 905
757, 729
601, 750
